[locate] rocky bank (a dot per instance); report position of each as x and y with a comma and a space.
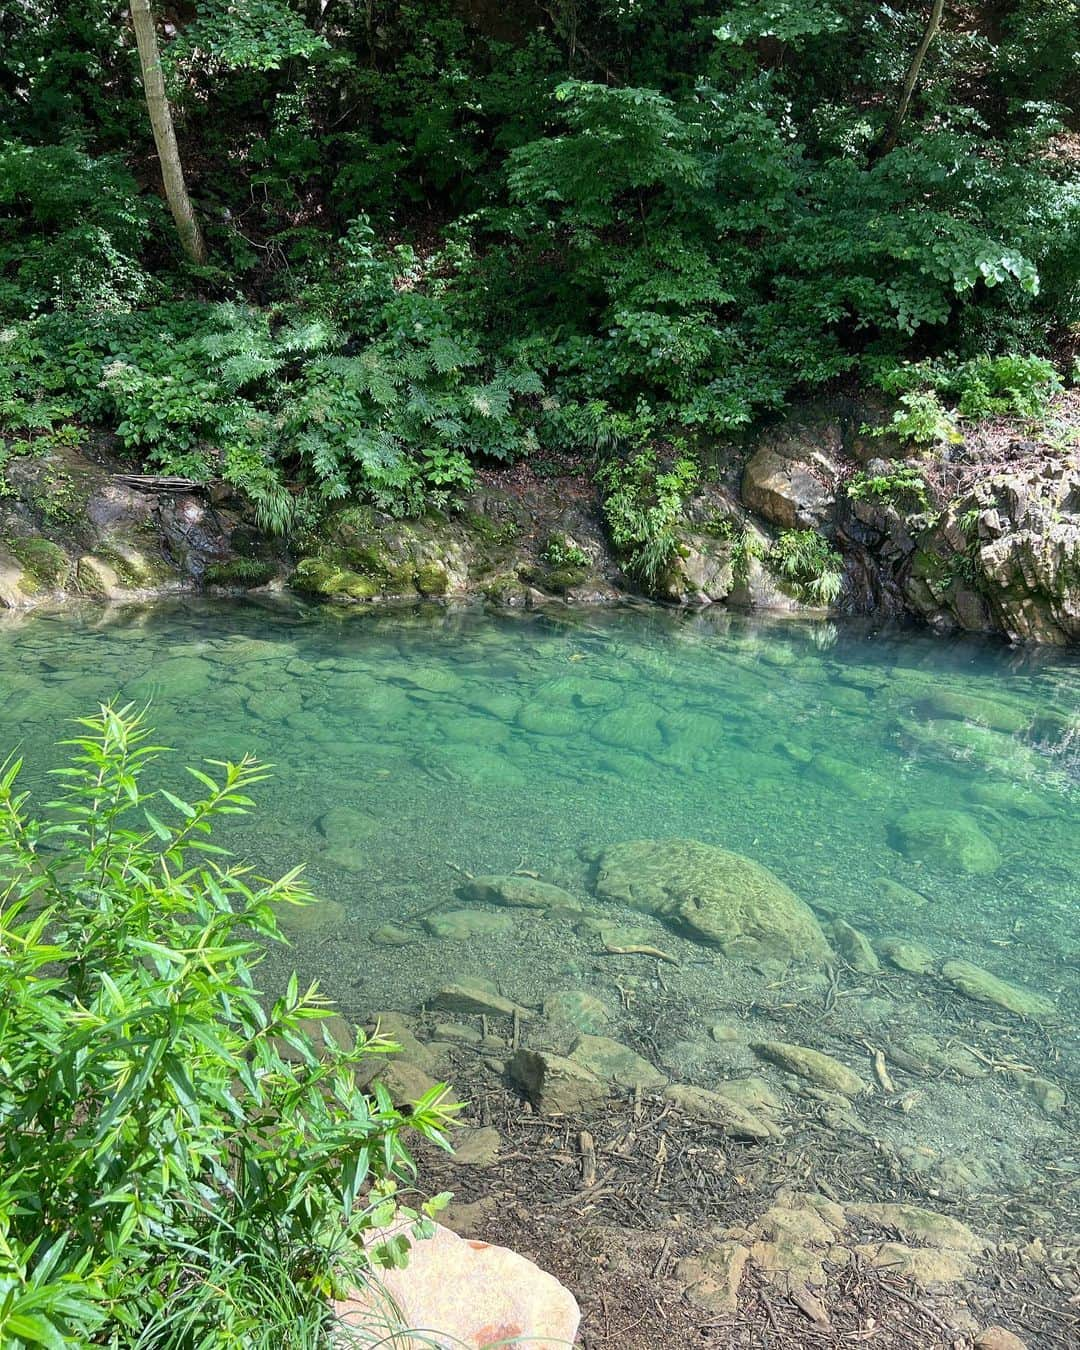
992, 547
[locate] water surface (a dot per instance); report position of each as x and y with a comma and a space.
414, 745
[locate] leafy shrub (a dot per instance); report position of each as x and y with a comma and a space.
166, 1130
807, 560
558, 551
643, 505
985, 386
922, 418
72, 232
902, 486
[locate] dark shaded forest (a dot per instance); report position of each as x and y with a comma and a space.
435, 236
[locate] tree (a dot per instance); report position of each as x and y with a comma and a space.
892, 131
157, 103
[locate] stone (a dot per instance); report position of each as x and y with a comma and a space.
315, 918
983, 987
792, 1239
907, 955
476, 996
965, 707
396, 1028
921, 1225
431, 679
555, 1084
854, 947
633, 727
789, 492
518, 892
466, 1295
461, 925
274, 705
1016, 571
715, 1108
95, 577
455, 1031
713, 895
477, 1147
613, 1062
405, 1082
853, 780
752, 1093
997, 1338
925, 1265
949, 841
813, 1065
1048, 1095
895, 896
578, 1008
343, 827
724, 1034
712, 1277
389, 935
544, 719
1011, 797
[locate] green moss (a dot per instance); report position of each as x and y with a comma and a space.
316, 576
432, 579
562, 579
45, 565
491, 531
241, 572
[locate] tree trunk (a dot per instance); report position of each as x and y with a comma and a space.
892, 132
172, 171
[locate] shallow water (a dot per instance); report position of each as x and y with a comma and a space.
466, 742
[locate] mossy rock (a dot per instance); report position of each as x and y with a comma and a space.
965, 707
948, 841
314, 576
713, 895
45, 565
432, 579
240, 573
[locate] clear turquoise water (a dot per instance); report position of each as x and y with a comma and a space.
495, 742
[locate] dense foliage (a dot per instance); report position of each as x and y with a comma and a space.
444, 234
183, 1163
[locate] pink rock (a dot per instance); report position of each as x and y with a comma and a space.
465, 1295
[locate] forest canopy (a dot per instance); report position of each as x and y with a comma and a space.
458, 232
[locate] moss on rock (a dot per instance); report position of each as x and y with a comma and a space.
432, 579
243, 573
45, 565
315, 576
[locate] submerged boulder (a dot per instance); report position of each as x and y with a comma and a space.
949, 841
983, 987
518, 891
712, 895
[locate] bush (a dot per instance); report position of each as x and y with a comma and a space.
183, 1162
643, 505
806, 559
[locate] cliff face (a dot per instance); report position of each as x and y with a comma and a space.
1005, 557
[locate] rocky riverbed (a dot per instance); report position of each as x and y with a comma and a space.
717, 1125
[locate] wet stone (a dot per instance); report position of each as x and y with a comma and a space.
813, 1065
462, 925
983, 987
948, 841
714, 895
912, 957
577, 1008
